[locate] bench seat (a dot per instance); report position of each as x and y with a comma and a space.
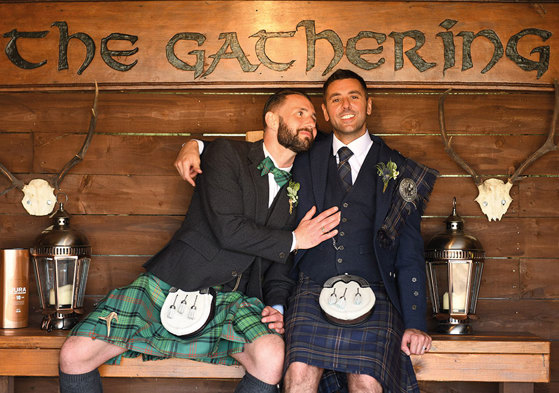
515, 361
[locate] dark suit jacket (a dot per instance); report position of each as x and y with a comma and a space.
402, 266
227, 228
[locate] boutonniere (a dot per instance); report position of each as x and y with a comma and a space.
387, 172
292, 189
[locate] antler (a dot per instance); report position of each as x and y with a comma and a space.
548, 145
79, 157
15, 181
449, 150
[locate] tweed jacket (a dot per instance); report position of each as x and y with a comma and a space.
229, 227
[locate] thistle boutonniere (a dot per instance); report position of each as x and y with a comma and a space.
292, 189
387, 172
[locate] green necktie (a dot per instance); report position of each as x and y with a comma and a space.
267, 166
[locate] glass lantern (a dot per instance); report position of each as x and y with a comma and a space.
454, 268
61, 258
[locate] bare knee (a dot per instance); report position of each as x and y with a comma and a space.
269, 355
72, 352
263, 358
272, 353
301, 377
80, 355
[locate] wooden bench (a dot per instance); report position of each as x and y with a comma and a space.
515, 361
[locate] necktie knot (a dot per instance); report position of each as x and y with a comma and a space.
344, 154
280, 176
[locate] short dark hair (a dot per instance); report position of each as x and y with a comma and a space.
342, 74
277, 99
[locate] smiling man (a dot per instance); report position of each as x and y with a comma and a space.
379, 242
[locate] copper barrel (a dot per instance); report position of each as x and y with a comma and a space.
14, 288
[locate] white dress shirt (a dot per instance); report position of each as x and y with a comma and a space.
272, 184
360, 148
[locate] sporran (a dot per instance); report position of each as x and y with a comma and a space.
185, 314
346, 299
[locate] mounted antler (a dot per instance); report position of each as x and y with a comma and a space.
494, 198
446, 141
15, 181
39, 198
79, 157
548, 145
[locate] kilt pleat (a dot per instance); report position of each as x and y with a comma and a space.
371, 348
237, 321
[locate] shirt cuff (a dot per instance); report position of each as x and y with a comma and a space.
293, 242
200, 146
278, 307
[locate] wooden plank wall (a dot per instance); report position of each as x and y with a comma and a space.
127, 197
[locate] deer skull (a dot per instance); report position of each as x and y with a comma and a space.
38, 198
494, 194
494, 198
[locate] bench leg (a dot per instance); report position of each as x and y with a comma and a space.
6, 384
516, 387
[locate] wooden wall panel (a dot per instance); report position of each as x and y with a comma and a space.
141, 155
539, 278
108, 234
500, 279
538, 196
394, 112
17, 152
115, 194
536, 316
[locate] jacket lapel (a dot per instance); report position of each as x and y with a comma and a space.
318, 157
279, 215
261, 188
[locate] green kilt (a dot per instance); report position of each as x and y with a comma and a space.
139, 329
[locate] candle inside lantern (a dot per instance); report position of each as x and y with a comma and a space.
446, 306
65, 293
458, 302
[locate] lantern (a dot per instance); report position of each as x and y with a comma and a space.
61, 257
454, 267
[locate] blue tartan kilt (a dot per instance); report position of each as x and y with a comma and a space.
371, 348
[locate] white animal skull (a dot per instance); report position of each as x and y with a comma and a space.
494, 194
494, 198
38, 198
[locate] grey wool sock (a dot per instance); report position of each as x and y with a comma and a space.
251, 384
80, 383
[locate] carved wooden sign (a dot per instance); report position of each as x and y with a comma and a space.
191, 44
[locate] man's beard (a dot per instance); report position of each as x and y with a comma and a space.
289, 138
